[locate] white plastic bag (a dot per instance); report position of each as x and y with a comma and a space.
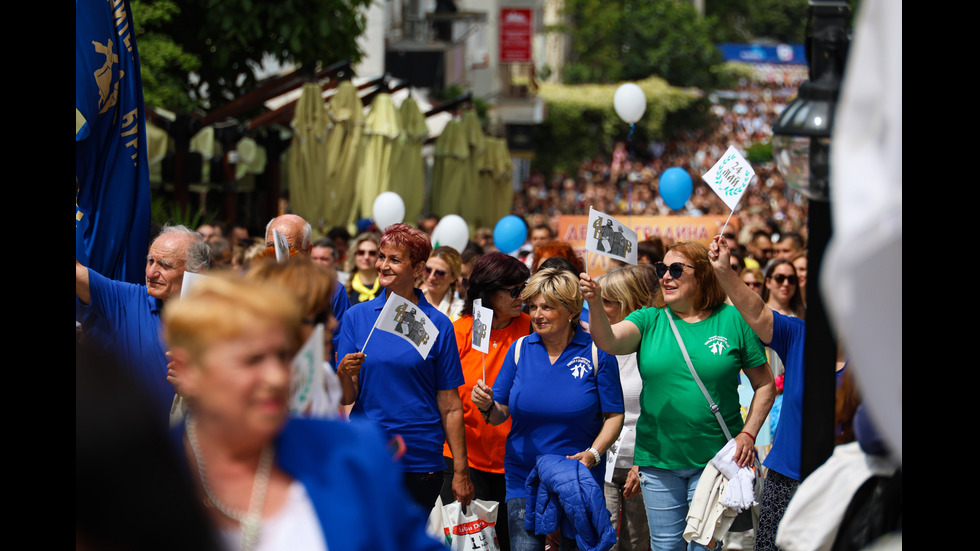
474, 530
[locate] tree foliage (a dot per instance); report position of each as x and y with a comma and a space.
621, 40
582, 122
221, 41
748, 20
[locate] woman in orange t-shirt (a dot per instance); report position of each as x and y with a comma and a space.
497, 279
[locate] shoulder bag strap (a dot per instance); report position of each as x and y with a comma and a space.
517, 349
714, 407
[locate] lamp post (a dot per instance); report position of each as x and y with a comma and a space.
801, 146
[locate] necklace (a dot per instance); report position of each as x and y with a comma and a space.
250, 521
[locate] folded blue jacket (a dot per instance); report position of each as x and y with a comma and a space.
562, 492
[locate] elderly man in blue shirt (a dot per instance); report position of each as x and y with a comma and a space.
125, 317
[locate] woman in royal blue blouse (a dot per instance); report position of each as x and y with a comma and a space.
560, 401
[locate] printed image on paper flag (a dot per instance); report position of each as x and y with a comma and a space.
730, 176
401, 317
282, 246
482, 320
112, 181
610, 237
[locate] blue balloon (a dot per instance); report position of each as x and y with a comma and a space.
676, 187
509, 233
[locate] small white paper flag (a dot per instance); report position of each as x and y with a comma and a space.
306, 374
610, 237
482, 321
282, 246
401, 317
190, 279
730, 176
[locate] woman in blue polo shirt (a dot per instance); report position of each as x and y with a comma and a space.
391, 384
560, 401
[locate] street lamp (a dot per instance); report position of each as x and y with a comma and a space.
801, 146
801, 135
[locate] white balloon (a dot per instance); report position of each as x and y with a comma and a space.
451, 231
388, 209
630, 102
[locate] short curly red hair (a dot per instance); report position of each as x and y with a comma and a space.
415, 242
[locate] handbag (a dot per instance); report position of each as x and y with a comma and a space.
749, 518
473, 529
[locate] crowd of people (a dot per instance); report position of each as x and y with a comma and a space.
635, 372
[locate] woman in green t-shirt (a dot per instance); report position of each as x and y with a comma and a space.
677, 434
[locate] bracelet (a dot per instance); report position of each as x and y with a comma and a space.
595, 452
486, 414
749, 433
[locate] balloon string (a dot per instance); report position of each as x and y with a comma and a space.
629, 200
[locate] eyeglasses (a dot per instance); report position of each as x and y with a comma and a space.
516, 291
361, 252
439, 273
754, 284
675, 269
780, 278
735, 267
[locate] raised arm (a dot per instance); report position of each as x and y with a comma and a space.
748, 303
82, 290
622, 338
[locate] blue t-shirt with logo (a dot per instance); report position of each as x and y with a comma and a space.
556, 408
676, 429
398, 387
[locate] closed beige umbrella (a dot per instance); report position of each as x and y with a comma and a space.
343, 153
451, 172
308, 154
473, 205
407, 166
380, 132
503, 187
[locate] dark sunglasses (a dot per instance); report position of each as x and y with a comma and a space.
516, 291
369, 253
439, 273
780, 278
675, 269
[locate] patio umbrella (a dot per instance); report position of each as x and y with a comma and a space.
343, 153
307, 155
380, 132
451, 172
407, 165
502, 188
473, 206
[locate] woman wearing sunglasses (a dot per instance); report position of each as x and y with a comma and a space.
782, 289
364, 283
563, 395
676, 433
439, 281
497, 280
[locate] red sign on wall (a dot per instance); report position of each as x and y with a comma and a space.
516, 30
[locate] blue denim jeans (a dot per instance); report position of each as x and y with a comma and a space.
525, 540
667, 495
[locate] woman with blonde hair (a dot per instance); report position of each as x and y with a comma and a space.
563, 396
271, 481
439, 279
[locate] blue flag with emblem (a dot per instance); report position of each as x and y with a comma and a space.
112, 184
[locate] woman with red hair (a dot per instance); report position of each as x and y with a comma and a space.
391, 384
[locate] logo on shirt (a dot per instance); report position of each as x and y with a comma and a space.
580, 367
717, 344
